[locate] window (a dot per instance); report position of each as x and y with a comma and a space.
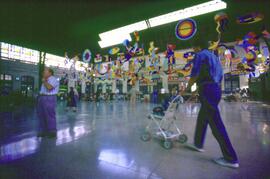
231, 82
5, 77
4, 50
27, 85
6, 82
8, 77
9, 51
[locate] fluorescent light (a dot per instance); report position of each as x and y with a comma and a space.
124, 30
115, 39
117, 36
188, 12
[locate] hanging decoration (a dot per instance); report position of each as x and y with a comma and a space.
152, 51
250, 18
266, 34
71, 64
114, 50
131, 51
249, 41
186, 29
87, 55
222, 23
186, 70
136, 35
103, 68
169, 54
66, 59
249, 62
98, 58
250, 59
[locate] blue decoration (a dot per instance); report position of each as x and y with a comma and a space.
87, 56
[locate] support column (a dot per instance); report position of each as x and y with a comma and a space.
151, 89
124, 86
83, 86
41, 66
165, 82
137, 86
104, 85
95, 86
113, 86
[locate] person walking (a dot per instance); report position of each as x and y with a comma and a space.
207, 73
47, 103
72, 100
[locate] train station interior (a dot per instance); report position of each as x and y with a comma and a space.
143, 89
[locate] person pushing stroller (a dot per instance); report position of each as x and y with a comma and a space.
207, 73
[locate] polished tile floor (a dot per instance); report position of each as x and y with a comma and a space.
103, 141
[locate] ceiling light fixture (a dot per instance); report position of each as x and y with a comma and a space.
114, 39
117, 36
193, 11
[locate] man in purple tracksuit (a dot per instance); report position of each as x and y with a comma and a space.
47, 103
207, 73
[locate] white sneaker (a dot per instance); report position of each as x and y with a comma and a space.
193, 147
225, 163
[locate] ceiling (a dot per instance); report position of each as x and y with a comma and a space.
71, 26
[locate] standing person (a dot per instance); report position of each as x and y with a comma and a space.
155, 96
47, 103
207, 73
77, 95
133, 95
98, 96
117, 94
72, 102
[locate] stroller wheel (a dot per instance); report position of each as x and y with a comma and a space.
182, 138
167, 144
146, 136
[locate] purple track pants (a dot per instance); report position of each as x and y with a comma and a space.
46, 113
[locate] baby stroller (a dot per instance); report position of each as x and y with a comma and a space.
162, 124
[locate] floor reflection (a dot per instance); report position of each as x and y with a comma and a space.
18, 149
117, 157
70, 134
29, 145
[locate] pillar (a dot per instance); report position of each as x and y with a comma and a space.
223, 84
124, 85
83, 86
113, 86
164, 78
104, 85
95, 86
137, 85
150, 89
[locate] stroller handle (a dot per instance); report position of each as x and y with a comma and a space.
178, 97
